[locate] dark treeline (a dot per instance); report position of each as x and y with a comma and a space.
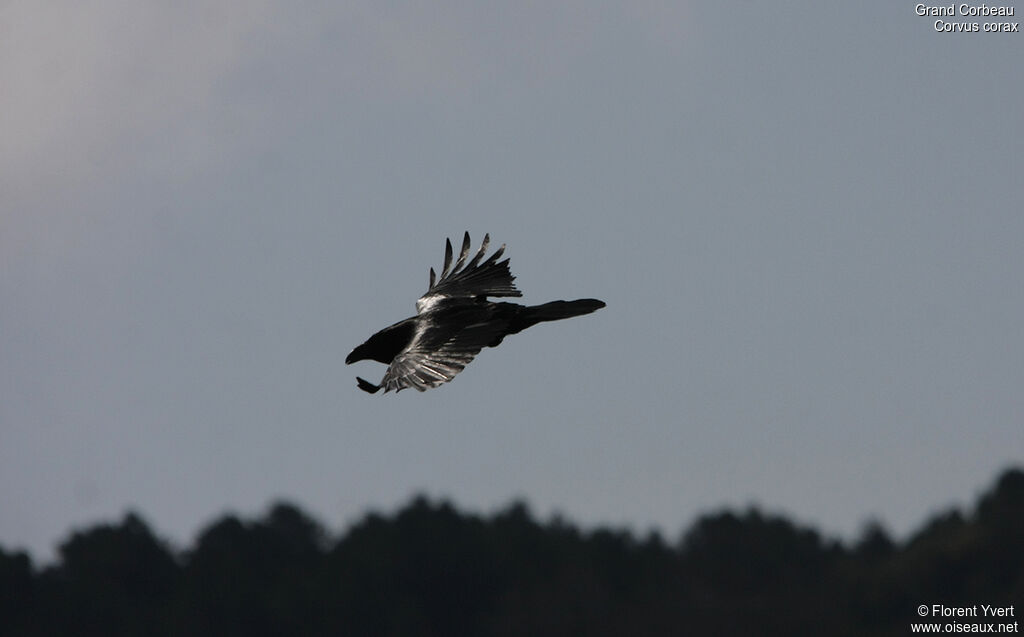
432, 570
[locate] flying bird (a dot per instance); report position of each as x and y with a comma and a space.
454, 321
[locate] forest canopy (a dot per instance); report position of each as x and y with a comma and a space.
430, 569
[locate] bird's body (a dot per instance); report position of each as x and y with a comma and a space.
454, 321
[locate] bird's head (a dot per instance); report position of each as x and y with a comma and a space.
358, 354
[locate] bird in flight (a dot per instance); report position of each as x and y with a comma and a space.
454, 321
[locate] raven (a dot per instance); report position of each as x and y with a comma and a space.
454, 321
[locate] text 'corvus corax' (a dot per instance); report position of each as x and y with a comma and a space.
454, 321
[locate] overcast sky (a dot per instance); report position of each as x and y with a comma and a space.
805, 219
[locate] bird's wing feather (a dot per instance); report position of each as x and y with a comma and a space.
439, 353
473, 279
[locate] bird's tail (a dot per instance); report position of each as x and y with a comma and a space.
553, 311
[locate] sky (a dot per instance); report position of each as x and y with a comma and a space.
804, 218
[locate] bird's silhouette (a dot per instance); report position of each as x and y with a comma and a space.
454, 321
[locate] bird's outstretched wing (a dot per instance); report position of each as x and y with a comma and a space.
468, 280
441, 351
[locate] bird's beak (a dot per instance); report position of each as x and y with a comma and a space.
355, 355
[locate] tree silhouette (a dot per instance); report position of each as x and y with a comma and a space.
431, 570
17, 590
260, 578
104, 572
